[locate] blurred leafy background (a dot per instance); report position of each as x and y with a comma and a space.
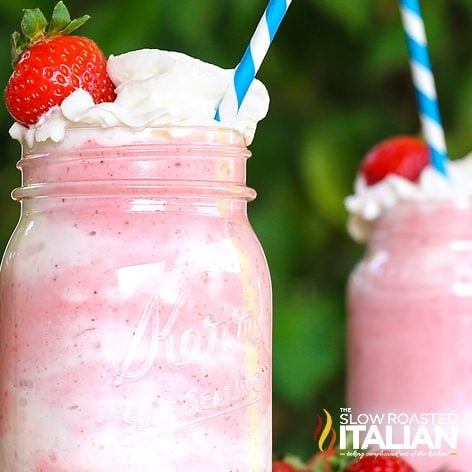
339, 81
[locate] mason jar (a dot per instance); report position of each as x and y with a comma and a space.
135, 308
410, 333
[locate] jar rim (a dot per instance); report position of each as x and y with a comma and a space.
158, 160
91, 137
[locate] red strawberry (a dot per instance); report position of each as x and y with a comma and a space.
49, 66
405, 156
321, 461
281, 466
381, 463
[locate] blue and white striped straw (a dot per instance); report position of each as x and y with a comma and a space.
423, 80
246, 70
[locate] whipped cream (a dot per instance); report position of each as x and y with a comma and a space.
371, 201
154, 88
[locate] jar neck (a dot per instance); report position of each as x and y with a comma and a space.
414, 222
154, 161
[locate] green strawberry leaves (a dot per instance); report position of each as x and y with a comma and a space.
35, 28
61, 23
33, 24
60, 18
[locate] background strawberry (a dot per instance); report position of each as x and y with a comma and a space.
49, 66
334, 461
289, 463
379, 464
280, 466
405, 156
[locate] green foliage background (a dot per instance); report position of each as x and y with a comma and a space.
339, 81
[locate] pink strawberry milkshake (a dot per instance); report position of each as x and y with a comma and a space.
410, 316
135, 298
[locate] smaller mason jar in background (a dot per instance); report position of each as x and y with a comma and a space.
135, 308
410, 331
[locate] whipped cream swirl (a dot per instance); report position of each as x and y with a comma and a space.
154, 88
370, 201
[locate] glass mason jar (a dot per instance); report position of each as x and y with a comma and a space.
135, 308
410, 332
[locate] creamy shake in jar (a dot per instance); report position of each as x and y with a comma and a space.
410, 316
135, 298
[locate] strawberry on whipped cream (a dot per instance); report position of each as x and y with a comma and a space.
154, 88
370, 201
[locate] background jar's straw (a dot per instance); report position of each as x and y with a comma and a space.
424, 83
246, 70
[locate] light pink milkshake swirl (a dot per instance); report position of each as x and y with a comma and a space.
135, 309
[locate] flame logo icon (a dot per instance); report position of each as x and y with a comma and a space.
322, 433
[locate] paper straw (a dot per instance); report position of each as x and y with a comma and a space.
246, 70
423, 80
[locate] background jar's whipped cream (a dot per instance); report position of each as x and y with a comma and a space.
370, 201
154, 88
